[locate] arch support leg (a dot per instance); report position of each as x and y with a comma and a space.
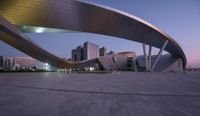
145, 57
158, 56
149, 57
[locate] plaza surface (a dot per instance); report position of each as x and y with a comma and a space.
117, 94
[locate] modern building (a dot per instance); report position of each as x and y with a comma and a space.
82, 16
9, 63
79, 53
90, 51
102, 51
74, 55
124, 61
1, 62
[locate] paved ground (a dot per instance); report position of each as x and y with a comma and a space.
126, 94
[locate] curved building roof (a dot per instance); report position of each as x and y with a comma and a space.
85, 17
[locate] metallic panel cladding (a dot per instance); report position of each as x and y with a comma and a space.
87, 17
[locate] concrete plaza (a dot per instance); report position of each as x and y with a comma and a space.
118, 94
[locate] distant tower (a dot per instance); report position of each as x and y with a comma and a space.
79, 53
90, 51
74, 55
9, 63
1, 61
102, 51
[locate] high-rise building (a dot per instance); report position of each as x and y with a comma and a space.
102, 51
79, 52
1, 62
74, 55
9, 63
90, 51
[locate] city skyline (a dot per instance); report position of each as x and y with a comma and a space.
99, 57
87, 51
172, 20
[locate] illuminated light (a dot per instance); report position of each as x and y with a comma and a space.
91, 68
40, 30
24, 27
47, 66
34, 29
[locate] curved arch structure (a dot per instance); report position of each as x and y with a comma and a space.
76, 16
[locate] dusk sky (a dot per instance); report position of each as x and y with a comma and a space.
178, 18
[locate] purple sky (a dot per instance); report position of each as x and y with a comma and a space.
178, 18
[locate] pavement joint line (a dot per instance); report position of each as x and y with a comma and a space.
101, 92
